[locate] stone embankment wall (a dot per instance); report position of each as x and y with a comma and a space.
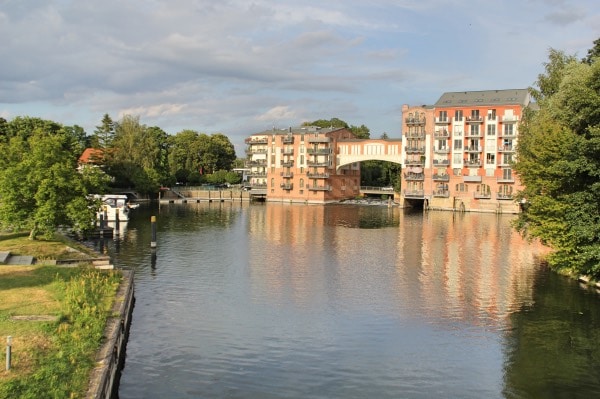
104, 381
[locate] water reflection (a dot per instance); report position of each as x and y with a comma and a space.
246, 301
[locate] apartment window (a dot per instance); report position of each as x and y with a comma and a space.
491, 130
462, 188
490, 159
458, 144
458, 115
474, 114
492, 115
508, 129
272, 182
301, 159
457, 158
474, 130
490, 145
457, 172
442, 144
301, 183
507, 159
507, 174
443, 116
458, 130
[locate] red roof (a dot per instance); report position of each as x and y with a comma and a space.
92, 156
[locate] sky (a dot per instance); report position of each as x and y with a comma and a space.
240, 67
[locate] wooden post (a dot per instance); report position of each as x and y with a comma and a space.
153, 223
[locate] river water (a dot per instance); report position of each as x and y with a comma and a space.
346, 301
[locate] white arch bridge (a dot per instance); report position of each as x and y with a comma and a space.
351, 151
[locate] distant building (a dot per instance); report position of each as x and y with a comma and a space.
458, 153
90, 157
299, 165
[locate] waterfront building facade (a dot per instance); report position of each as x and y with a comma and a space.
458, 153
300, 165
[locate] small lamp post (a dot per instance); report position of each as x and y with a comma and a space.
8, 352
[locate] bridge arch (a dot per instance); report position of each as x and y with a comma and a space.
352, 151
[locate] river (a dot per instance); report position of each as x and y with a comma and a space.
346, 301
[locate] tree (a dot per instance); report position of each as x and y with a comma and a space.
40, 187
104, 134
558, 163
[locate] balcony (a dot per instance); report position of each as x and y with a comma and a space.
473, 148
288, 151
510, 134
438, 177
287, 186
473, 134
509, 119
480, 195
472, 162
414, 150
252, 150
252, 141
474, 119
414, 162
442, 120
287, 164
414, 193
258, 186
506, 148
319, 188
257, 162
441, 150
472, 179
441, 193
287, 175
441, 162
318, 164
414, 121
505, 180
257, 174
415, 135
504, 196
317, 175
319, 139
414, 176
288, 140
441, 133
318, 151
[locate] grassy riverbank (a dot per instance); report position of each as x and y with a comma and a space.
56, 316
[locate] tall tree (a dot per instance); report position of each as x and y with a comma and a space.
104, 134
559, 166
40, 187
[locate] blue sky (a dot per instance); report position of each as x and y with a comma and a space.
239, 67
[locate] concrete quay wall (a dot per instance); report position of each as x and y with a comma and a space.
104, 380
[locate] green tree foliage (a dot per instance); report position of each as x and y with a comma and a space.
137, 157
40, 188
361, 132
104, 134
559, 165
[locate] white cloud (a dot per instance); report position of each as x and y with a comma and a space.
278, 113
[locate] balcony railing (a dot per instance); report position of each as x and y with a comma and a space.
472, 179
287, 186
318, 164
442, 120
288, 151
414, 121
414, 193
441, 134
438, 177
258, 186
474, 119
257, 174
507, 134
414, 150
442, 150
318, 151
443, 162
287, 164
473, 134
288, 140
473, 149
472, 162
257, 162
317, 175
506, 148
504, 196
252, 141
287, 175
252, 150
319, 139
509, 119
414, 176
505, 180
480, 195
415, 162
441, 193
415, 135
319, 188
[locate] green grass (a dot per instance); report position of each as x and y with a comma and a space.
51, 359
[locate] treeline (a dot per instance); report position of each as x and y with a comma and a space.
41, 187
559, 162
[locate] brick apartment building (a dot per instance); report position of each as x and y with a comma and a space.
458, 153
299, 165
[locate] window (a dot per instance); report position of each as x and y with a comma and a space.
458, 144
507, 174
442, 144
508, 130
443, 116
474, 130
272, 182
491, 130
507, 159
301, 183
490, 145
492, 115
462, 188
457, 159
475, 114
458, 130
301, 159
457, 172
490, 159
458, 115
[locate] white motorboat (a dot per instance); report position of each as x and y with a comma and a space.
114, 205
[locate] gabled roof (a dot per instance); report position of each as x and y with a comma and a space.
92, 156
484, 98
